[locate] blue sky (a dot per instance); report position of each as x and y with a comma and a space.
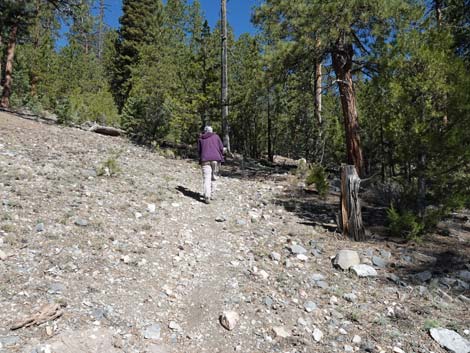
238, 13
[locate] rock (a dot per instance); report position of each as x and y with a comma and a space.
348, 348
342, 331
301, 321
81, 222
263, 274
450, 340
3, 256
138, 215
173, 325
398, 350
281, 332
310, 306
298, 249
275, 256
56, 288
151, 208
356, 339
350, 297
423, 276
302, 257
229, 319
379, 262
385, 254
346, 258
152, 332
268, 301
317, 334
333, 300
317, 277
363, 270
322, 284
40, 227
241, 222
220, 219
9, 341
464, 275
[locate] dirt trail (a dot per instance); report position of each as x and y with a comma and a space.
140, 264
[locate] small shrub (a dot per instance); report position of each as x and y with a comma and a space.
431, 323
110, 167
302, 169
404, 224
317, 175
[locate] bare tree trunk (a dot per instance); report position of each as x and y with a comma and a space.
342, 56
270, 128
438, 9
5, 102
351, 216
100, 29
1, 57
224, 79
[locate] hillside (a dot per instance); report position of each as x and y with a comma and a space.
116, 240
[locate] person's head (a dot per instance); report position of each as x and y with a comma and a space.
207, 129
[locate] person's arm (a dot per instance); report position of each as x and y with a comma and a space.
199, 149
221, 149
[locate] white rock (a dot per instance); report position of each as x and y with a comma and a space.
346, 258
357, 339
280, 331
317, 334
263, 274
302, 257
348, 348
398, 350
137, 215
3, 256
363, 270
229, 319
275, 256
342, 331
333, 300
151, 208
451, 340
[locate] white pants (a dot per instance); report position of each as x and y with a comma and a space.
209, 176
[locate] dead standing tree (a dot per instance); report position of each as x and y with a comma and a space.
351, 217
224, 80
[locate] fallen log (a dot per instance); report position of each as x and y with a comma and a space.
106, 130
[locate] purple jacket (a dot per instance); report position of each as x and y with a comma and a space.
210, 148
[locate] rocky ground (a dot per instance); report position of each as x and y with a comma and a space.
106, 247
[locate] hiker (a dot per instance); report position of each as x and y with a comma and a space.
211, 153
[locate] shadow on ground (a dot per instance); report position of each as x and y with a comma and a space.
189, 193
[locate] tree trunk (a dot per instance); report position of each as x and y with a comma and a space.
100, 29
270, 129
351, 217
438, 9
1, 57
224, 79
342, 56
5, 102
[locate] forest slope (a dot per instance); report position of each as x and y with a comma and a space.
137, 263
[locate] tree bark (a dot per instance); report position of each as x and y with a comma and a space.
270, 128
5, 102
101, 29
224, 79
351, 216
342, 56
1, 57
